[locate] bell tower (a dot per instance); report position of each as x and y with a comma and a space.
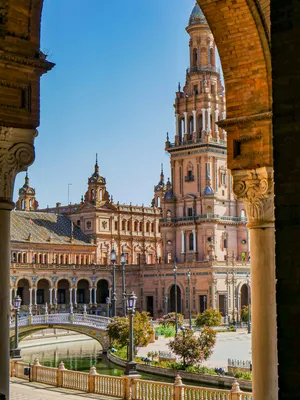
26, 200
200, 195
96, 193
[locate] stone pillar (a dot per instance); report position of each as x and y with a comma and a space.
177, 125
216, 120
16, 154
208, 119
75, 296
10, 297
182, 242
35, 296
70, 300
91, 299
50, 296
194, 240
30, 296
185, 122
203, 119
256, 189
194, 121
95, 296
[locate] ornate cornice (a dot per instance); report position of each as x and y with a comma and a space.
36, 63
249, 119
256, 189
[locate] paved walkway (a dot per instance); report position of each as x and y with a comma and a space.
20, 390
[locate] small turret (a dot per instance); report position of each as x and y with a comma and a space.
26, 200
96, 192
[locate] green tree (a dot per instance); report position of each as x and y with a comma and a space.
118, 330
169, 319
192, 349
208, 318
244, 313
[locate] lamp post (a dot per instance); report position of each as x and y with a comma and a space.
166, 304
130, 368
249, 305
123, 262
108, 306
16, 352
225, 309
189, 294
175, 297
204, 303
113, 258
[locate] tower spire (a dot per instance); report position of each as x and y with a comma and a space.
96, 165
162, 177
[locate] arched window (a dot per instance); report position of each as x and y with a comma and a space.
181, 130
24, 257
77, 259
199, 125
195, 57
212, 56
14, 257
147, 227
191, 125
243, 214
123, 225
191, 241
22, 204
141, 227
92, 194
60, 259
225, 244
169, 214
129, 225
158, 201
152, 227
136, 226
40, 258
101, 195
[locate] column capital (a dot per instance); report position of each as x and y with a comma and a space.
256, 189
16, 154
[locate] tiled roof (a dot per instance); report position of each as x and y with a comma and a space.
43, 227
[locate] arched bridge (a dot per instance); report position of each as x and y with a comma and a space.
90, 325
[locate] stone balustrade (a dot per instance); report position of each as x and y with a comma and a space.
125, 387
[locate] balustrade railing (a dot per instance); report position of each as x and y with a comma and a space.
125, 387
205, 216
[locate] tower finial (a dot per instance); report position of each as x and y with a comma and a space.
162, 177
179, 87
167, 136
96, 165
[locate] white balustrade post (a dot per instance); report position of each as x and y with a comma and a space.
30, 296
203, 119
50, 296
91, 300
15, 292
70, 289
75, 296
95, 296
10, 297
185, 122
182, 242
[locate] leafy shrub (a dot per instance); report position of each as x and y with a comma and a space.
244, 313
169, 319
208, 318
243, 375
200, 369
166, 331
232, 328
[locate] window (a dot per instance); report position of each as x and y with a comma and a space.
80, 296
123, 225
195, 89
116, 225
195, 57
61, 296
40, 296
225, 244
78, 222
190, 212
243, 214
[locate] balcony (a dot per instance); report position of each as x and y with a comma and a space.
203, 68
205, 217
189, 178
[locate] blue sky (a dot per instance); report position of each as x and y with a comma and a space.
112, 91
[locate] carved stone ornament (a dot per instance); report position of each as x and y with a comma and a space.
16, 154
256, 189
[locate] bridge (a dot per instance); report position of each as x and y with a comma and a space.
93, 326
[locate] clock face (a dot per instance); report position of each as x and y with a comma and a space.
92, 180
158, 189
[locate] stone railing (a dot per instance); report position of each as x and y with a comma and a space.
234, 365
206, 217
125, 387
91, 321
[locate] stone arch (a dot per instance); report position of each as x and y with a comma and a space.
23, 290
66, 278
85, 278
244, 295
43, 293
24, 277
46, 278
63, 290
83, 292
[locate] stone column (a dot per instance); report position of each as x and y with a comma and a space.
30, 296
70, 300
50, 296
177, 124
216, 120
185, 122
182, 242
15, 292
256, 189
16, 154
91, 299
35, 296
10, 297
203, 119
208, 119
194, 240
194, 121
95, 296
75, 296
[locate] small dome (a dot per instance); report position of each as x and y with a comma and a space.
197, 16
169, 195
208, 190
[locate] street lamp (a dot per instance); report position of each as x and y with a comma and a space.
189, 294
108, 305
16, 352
113, 259
249, 305
175, 286
225, 311
123, 262
166, 304
130, 368
204, 301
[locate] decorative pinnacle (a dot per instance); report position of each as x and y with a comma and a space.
96, 165
167, 136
